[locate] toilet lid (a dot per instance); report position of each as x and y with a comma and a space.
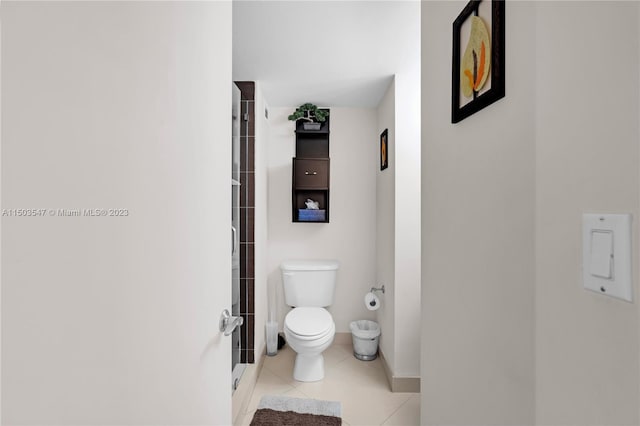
308, 321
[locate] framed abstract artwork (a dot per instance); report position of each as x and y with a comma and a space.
477, 77
384, 149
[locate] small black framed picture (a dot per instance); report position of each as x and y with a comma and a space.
384, 149
477, 76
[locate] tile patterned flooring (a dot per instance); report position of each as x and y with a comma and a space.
361, 386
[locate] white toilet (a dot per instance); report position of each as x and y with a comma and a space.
309, 328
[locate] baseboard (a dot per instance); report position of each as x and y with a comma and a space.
399, 384
242, 395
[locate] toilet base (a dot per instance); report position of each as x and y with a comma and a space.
308, 368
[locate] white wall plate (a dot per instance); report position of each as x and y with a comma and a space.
606, 254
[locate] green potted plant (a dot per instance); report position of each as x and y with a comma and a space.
313, 116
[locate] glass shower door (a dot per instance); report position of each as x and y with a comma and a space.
236, 367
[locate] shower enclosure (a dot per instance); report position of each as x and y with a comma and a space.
237, 367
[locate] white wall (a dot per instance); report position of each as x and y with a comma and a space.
567, 144
398, 211
350, 236
261, 155
478, 206
386, 228
113, 320
408, 248
587, 348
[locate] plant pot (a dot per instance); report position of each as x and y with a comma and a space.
311, 126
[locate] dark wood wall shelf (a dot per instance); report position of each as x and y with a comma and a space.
311, 177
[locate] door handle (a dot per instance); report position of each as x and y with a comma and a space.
234, 231
228, 323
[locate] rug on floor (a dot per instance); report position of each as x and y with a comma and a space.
277, 410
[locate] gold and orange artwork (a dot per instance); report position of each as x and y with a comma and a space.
476, 61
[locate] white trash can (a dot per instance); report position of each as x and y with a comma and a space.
365, 339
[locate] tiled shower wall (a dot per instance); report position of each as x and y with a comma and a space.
247, 207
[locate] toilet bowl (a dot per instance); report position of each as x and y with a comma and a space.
309, 331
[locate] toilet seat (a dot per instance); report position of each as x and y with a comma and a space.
309, 323
309, 331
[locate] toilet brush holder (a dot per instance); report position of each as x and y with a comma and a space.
272, 338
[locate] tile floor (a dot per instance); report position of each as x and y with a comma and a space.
361, 386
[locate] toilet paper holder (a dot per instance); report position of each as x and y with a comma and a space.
377, 289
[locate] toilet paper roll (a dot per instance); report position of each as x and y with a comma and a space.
371, 301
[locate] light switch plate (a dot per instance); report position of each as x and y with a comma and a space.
601, 257
607, 235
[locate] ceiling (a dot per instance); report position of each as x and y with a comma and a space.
331, 53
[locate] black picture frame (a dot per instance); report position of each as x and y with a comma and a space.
384, 149
497, 67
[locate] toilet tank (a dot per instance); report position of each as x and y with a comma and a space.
309, 283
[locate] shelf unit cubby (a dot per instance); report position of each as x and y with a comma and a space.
311, 174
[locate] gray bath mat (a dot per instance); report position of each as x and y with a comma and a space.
279, 410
